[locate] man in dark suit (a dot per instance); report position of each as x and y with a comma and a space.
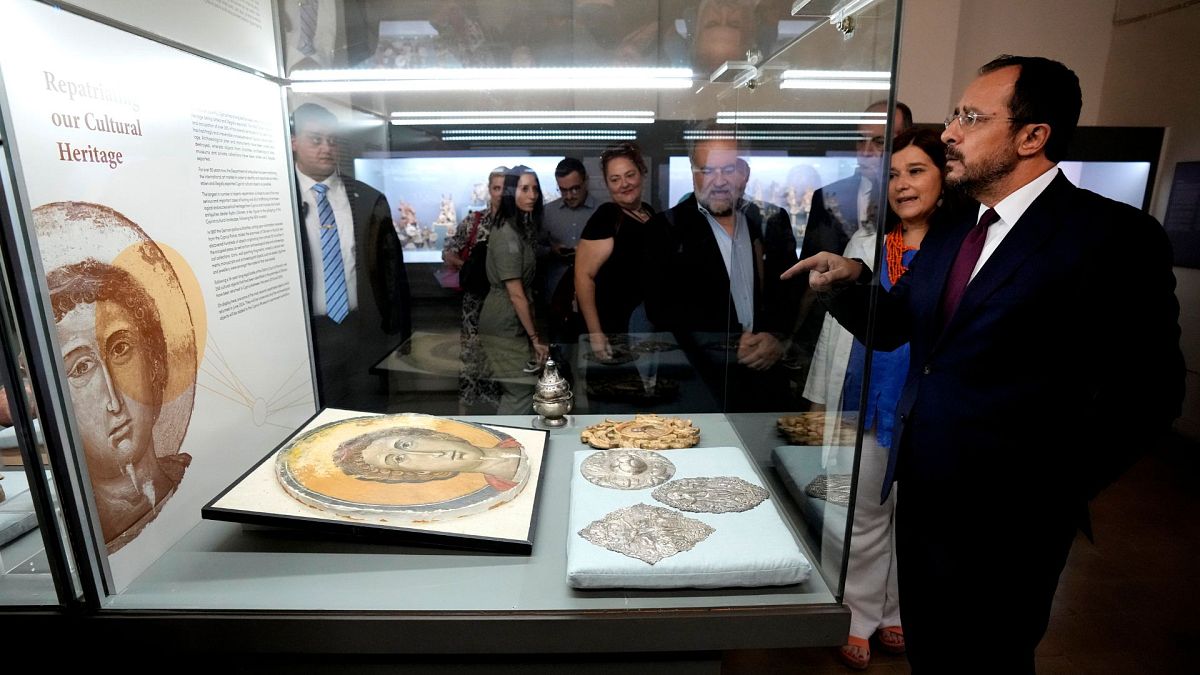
354, 273
837, 211
838, 208
1041, 365
713, 279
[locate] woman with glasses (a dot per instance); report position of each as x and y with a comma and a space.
506, 325
835, 382
608, 260
475, 388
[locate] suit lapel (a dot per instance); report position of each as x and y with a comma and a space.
360, 211
846, 205
1025, 238
356, 204
936, 261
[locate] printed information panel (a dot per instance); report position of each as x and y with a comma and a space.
161, 206
241, 31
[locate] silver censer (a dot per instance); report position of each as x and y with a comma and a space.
552, 398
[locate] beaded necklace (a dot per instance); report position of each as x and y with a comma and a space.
895, 250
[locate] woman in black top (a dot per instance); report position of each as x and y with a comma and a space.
608, 259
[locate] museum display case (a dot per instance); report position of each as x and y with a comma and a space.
241, 222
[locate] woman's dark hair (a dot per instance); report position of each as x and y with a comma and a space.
628, 150
91, 281
928, 140
509, 213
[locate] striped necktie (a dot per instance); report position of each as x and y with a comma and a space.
337, 302
308, 27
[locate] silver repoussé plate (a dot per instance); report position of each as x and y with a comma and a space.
834, 488
720, 494
627, 468
648, 533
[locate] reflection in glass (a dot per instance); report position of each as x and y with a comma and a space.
679, 313
507, 331
26, 573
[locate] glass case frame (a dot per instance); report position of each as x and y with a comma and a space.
697, 621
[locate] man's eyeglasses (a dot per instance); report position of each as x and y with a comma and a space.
708, 171
969, 119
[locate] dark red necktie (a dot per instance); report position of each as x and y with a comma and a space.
964, 264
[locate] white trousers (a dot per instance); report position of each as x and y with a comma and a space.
872, 593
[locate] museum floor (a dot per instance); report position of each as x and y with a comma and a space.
1126, 604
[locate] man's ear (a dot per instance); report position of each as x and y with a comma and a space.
1032, 139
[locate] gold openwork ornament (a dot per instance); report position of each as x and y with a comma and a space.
808, 428
649, 432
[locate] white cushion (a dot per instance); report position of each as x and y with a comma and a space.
750, 548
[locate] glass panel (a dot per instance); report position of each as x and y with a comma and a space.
28, 494
641, 173
433, 104
832, 186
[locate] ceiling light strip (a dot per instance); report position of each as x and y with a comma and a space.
836, 74
525, 113
803, 120
488, 79
765, 113
490, 84
770, 136
846, 85
401, 74
540, 137
521, 120
540, 131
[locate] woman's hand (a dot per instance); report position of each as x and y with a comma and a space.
541, 350
452, 259
600, 346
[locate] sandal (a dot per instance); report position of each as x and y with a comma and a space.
891, 638
856, 653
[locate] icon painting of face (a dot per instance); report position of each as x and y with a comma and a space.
408, 455
115, 357
403, 467
127, 341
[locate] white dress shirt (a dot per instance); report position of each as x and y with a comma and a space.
1010, 209
562, 224
336, 194
738, 253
